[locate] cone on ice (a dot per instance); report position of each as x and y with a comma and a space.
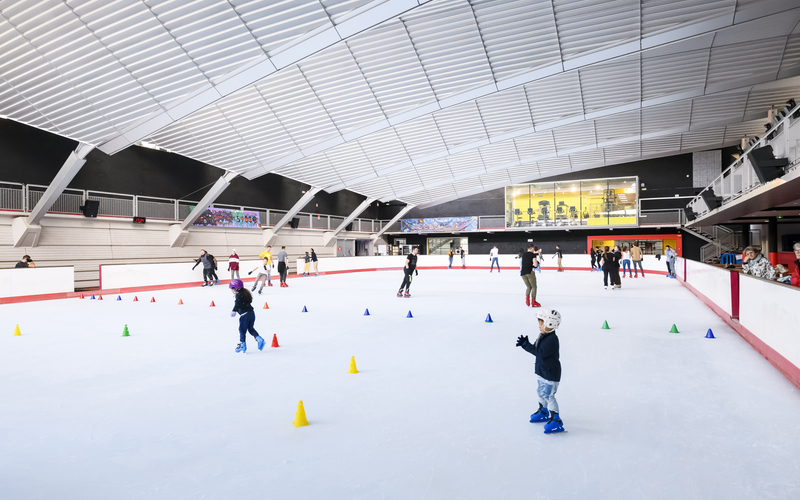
92, 297
180, 302
710, 334
275, 340
352, 368
119, 297
674, 329
266, 306
605, 326
212, 304
153, 299
17, 333
125, 332
135, 298
489, 318
99, 297
82, 296
300, 416
409, 315
304, 309
366, 312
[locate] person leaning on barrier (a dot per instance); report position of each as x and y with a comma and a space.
795, 280
25, 262
756, 264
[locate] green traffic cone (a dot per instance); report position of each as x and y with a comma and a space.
605, 326
125, 332
674, 329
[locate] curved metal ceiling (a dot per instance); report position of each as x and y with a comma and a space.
421, 101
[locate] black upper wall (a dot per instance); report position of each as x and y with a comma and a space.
33, 156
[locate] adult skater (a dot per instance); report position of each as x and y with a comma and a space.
636, 257
559, 255
538, 253
593, 256
463, 258
617, 264
283, 266
214, 269
626, 262
243, 304
409, 268
493, 258
450, 256
208, 267
527, 265
233, 265
307, 264
315, 261
607, 264
262, 276
26, 263
670, 255
548, 369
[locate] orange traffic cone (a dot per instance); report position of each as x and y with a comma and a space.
180, 302
266, 306
275, 340
212, 304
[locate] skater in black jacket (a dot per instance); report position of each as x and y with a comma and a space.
243, 304
408, 270
548, 369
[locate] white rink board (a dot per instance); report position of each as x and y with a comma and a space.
136, 275
36, 281
772, 313
713, 282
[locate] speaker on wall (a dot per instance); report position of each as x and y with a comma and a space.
295, 222
765, 164
349, 227
90, 208
690, 215
712, 201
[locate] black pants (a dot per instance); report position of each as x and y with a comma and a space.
246, 324
615, 276
214, 274
406, 280
606, 274
282, 271
207, 274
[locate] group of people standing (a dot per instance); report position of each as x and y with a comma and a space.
452, 253
610, 260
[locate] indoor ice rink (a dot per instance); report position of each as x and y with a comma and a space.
399, 249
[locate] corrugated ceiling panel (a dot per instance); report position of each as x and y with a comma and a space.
760, 100
666, 117
611, 84
219, 139
467, 185
297, 107
523, 173
711, 138
735, 132
718, 107
587, 25
384, 149
519, 35
767, 26
555, 97
420, 137
460, 124
342, 89
406, 180
622, 152
591, 157
449, 45
377, 188
618, 126
442, 192
659, 16
349, 161
178, 138
661, 145
499, 153
276, 23
562, 163
338, 8
533, 145
746, 61
318, 171
790, 65
673, 73
574, 136
466, 162
505, 111
417, 198
494, 178
434, 171
387, 58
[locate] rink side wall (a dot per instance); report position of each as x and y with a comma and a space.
48, 282
764, 313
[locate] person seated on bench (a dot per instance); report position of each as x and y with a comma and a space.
756, 264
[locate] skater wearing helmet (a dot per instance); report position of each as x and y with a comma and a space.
408, 270
548, 369
247, 316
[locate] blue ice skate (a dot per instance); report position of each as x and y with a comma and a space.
554, 425
541, 415
260, 341
242, 347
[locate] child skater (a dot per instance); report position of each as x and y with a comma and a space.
548, 369
263, 274
243, 306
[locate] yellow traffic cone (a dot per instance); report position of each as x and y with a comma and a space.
300, 417
17, 333
352, 365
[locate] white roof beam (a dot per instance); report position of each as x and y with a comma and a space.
396, 218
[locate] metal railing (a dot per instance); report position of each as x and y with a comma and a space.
740, 178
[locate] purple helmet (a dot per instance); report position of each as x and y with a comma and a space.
236, 284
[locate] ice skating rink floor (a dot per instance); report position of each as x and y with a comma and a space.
438, 410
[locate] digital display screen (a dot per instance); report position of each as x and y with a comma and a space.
139, 220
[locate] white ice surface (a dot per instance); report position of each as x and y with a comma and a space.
439, 409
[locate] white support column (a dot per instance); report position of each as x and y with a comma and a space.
26, 230
396, 218
269, 235
178, 233
329, 237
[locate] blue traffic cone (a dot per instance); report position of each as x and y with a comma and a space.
304, 309
366, 313
92, 296
409, 315
119, 297
710, 334
489, 318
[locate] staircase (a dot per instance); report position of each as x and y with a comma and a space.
720, 240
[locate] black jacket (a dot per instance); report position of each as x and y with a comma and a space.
527, 264
610, 261
241, 305
545, 348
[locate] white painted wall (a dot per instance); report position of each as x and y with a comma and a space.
36, 281
713, 282
770, 311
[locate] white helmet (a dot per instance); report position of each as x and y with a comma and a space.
551, 318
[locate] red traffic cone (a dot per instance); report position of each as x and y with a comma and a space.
153, 299
135, 298
275, 340
180, 302
81, 295
212, 304
99, 297
266, 306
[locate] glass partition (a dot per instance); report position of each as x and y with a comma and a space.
597, 202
